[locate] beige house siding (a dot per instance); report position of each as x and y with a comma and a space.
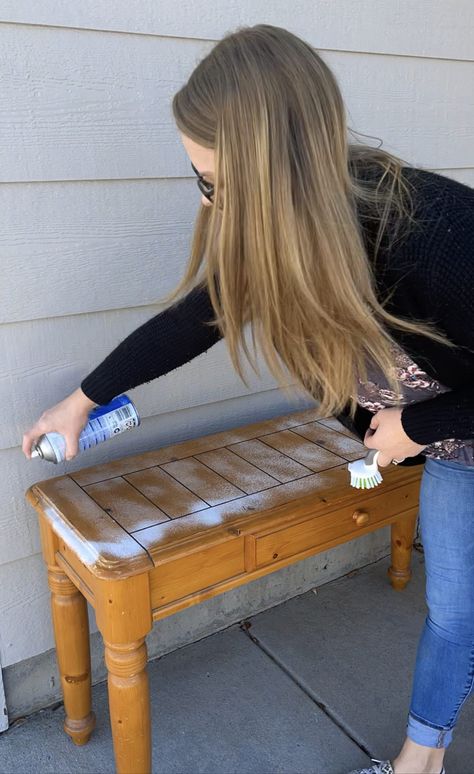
97, 203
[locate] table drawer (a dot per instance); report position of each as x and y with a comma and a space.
364, 513
196, 571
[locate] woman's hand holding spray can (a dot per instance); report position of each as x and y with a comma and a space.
70, 426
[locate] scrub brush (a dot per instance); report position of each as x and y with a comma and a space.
364, 472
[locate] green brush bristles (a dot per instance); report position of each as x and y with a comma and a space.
366, 483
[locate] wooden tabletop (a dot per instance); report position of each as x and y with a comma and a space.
120, 516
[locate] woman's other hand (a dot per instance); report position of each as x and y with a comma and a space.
386, 434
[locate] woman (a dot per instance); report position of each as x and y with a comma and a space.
356, 274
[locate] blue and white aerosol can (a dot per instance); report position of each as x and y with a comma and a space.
104, 422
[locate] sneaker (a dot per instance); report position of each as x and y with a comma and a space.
380, 767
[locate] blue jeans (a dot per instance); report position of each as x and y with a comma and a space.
444, 668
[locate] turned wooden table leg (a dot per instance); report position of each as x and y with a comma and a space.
402, 536
124, 617
71, 632
129, 703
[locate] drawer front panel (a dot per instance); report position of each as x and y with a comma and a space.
177, 578
317, 530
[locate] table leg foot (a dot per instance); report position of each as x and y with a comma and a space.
80, 730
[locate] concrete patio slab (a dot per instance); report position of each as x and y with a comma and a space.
314, 685
352, 646
219, 706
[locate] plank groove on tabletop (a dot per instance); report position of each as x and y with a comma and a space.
98, 540
237, 470
301, 450
171, 496
344, 445
204, 482
193, 446
125, 503
270, 460
333, 424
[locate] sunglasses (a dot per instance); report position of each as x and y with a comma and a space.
204, 186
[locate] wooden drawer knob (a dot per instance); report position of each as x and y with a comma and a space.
360, 518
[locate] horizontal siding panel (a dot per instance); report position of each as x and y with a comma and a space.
25, 610
425, 28
19, 532
422, 109
90, 106
42, 362
94, 106
88, 247
92, 246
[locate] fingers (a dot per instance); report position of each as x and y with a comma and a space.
368, 438
29, 439
26, 446
72, 446
383, 460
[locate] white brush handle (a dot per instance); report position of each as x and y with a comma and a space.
372, 456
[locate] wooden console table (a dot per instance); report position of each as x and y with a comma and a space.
150, 534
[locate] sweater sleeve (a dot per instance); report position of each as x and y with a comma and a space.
165, 342
451, 285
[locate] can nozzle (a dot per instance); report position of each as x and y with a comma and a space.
35, 453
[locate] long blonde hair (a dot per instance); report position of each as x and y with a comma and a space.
282, 248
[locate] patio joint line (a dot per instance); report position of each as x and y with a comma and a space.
245, 627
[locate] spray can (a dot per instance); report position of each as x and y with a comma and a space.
104, 422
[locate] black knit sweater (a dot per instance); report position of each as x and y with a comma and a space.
432, 270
